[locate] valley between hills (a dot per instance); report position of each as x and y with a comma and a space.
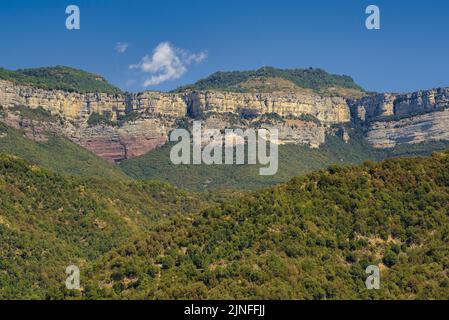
86, 179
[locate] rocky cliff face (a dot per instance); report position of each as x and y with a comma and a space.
400, 105
291, 131
432, 126
133, 139
155, 114
140, 122
394, 119
75, 106
325, 109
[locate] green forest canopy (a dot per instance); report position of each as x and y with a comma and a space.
310, 238
305, 78
60, 78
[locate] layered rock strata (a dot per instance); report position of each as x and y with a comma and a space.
395, 119
140, 122
155, 114
432, 126
325, 109
400, 105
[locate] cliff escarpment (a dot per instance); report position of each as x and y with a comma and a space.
122, 126
304, 105
395, 119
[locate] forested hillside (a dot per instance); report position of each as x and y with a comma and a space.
294, 160
310, 238
316, 79
59, 78
57, 154
48, 221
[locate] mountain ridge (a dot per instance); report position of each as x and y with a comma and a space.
230, 81
308, 237
120, 127
60, 78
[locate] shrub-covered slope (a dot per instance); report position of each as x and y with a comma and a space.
59, 78
310, 238
57, 154
48, 222
315, 79
294, 160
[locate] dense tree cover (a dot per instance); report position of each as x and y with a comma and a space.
310, 238
305, 78
59, 78
48, 221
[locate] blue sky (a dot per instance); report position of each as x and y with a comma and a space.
410, 52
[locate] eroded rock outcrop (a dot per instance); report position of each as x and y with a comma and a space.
325, 109
290, 131
432, 126
394, 119
140, 122
76, 106
133, 139
73, 106
400, 105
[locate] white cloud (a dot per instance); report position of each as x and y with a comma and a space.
121, 47
167, 63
